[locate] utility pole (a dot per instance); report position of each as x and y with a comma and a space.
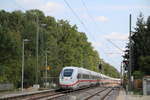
22, 66
130, 55
46, 70
37, 47
121, 73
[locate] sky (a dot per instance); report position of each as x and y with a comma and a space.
105, 22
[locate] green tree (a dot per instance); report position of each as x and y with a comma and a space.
63, 43
140, 46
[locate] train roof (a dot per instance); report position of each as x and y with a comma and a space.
70, 67
87, 71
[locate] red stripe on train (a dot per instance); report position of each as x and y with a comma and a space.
83, 81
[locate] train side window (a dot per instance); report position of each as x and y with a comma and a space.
84, 76
79, 76
87, 76
90, 76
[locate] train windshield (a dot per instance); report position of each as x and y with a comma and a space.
68, 72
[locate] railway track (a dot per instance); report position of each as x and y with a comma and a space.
29, 96
103, 98
70, 92
43, 95
89, 97
103, 94
57, 94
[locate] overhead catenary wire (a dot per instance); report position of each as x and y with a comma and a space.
92, 19
114, 45
96, 25
89, 15
78, 18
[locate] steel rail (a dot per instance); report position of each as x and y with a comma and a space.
96, 94
104, 97
62, 93
50, 94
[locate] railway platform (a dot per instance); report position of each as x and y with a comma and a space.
129, 96
12, 94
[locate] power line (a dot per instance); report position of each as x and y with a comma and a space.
90, 16
112, 53
92, 19
88, 13
96, 25
114, 45
76, 15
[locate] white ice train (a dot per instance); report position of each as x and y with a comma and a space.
75, 78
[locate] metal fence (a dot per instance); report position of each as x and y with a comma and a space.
6, 86
50, 82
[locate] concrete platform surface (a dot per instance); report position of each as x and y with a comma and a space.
123, 96
4, 95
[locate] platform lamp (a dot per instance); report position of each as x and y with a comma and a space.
24, 40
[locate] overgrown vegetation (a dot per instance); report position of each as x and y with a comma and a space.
62, 42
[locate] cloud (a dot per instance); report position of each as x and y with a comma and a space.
102, 19
49, 8
116, 36
120, 7
28, 3
52, 8
96, 44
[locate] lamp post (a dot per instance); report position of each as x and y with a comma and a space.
24, 40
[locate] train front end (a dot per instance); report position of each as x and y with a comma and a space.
68, 79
